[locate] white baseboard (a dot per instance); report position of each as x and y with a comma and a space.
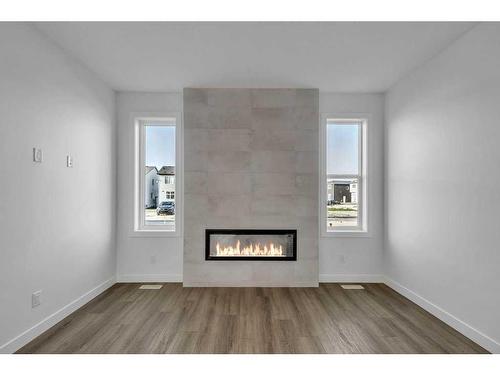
465, 329
28, 335
149, 278
350, 278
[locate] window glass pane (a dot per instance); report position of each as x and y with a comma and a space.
342, 202
159, 157
342, 148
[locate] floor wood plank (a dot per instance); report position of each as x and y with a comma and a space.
328, 319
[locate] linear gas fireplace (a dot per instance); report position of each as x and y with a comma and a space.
250, 244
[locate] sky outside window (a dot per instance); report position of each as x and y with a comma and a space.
160, 146
342, 148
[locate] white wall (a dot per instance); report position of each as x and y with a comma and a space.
141, 258
153, 258
56, 223
358, 258
442, 185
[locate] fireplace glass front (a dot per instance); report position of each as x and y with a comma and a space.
250, 244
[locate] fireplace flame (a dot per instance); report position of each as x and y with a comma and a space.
253, 250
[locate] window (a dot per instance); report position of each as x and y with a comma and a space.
343, 176
157, 157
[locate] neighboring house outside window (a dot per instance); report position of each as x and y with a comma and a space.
166, 183
151, 193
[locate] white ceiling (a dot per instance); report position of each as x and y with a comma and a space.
333, 56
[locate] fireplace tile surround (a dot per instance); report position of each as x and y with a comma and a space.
251, 161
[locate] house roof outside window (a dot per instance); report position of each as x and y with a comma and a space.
149, 169
167, 170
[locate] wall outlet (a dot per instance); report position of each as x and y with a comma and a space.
69, 161
36, 298
37, 155
152, 259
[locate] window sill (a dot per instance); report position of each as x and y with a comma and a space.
153, 233
346, 233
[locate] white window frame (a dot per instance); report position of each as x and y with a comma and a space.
360, 230
140, 228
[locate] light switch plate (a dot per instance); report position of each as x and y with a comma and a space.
36, 298
69, 161
37, 155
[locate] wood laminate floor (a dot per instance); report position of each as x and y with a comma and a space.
328, 319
